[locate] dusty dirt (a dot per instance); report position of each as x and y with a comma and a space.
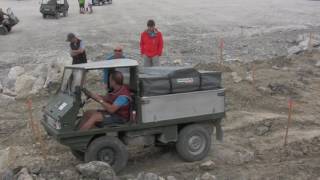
257, 111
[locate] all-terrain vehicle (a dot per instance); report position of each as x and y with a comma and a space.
8, 22
170, 105
101, 2
54, 8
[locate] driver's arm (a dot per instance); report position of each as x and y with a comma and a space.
112, 108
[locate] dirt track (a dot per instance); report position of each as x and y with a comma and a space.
256, 117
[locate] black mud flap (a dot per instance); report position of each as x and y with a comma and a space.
219, 131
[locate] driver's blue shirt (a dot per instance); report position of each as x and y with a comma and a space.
121, 101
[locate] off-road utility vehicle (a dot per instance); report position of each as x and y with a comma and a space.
8, 22
171, 105
54, 8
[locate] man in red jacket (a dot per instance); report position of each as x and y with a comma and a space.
151, 45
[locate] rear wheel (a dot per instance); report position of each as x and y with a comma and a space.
194, 142
3, 30
110, 150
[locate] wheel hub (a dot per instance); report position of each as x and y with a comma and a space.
196, 144
106, 155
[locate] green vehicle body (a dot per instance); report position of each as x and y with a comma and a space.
61, 115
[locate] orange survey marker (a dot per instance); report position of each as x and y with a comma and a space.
221, 47
253, 75
290, 107
36, 130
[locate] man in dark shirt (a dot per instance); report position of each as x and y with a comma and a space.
77, 51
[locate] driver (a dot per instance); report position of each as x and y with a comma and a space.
2, 14
116, 105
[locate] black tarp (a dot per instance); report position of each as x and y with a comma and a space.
165, 80
210, 80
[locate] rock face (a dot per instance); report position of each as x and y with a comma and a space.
24, 85
96, 169
15, 72
24, 175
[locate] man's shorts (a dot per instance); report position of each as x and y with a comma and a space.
110, 120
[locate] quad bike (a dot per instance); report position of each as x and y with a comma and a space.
54, 8
8, 22
101, 2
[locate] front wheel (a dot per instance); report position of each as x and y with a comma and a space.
110, 150
194, 142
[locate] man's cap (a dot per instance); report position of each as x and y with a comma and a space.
70, 36
118, 48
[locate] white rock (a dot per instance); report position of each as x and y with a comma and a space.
208, 165
148, 176
206, 176
24, 85
15, 72
318, 64
294, 50
249, 76
38, 85
236, 77
55, 72
24, 175
94, 168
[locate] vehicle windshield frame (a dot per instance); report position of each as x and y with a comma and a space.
71, 79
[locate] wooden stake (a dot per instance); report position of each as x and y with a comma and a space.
310, 41
36, 130
290, 107
221, 48
253, 75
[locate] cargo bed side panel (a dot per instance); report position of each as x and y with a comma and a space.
181, 105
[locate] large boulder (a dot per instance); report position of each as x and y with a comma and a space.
54, 75
24, 175
24, 85
38, 85
148, 176
97, 169
15, 72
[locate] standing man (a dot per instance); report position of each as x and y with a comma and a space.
117, 54
151, 45
81, 5
77, 50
